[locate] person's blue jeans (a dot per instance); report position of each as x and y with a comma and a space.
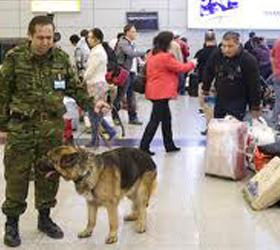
97, 120
182, 83
127, 90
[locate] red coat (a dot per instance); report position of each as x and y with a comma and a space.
275, 56
162, 76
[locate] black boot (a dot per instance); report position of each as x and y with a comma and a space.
11, 237
47, 226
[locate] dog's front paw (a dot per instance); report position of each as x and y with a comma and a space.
140, 228
111, 239
85, 234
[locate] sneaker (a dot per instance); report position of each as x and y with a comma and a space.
135, 122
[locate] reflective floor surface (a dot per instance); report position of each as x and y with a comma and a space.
188, 211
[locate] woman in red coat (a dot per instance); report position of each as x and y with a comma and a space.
161, 86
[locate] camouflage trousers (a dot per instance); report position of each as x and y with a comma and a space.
26, 148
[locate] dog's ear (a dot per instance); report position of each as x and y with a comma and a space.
56, 153
69, 160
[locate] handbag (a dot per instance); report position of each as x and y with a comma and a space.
117, 76
139, 83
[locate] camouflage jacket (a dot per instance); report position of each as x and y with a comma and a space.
27, 85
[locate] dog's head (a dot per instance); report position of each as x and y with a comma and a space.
68, 161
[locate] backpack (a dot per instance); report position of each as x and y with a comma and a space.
116, 74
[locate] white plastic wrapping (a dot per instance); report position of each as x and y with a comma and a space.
225, 151
263, 190
260, 132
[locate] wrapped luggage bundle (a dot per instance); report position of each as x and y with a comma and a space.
225, 151
260, 132
261, 146
263, 190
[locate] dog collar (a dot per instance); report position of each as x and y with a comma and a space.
80, 178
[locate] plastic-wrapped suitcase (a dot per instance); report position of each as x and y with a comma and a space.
225, 150
263, 190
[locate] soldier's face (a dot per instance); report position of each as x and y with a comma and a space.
230, 47
42, 39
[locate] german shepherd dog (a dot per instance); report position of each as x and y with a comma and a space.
104, 179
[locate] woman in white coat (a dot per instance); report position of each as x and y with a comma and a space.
96, 84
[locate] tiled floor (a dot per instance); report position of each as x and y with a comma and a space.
188, 212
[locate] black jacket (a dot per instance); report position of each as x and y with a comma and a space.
237, 79
202, 57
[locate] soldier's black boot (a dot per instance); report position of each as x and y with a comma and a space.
11, 237
47, 226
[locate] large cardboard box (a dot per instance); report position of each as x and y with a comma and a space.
263, 190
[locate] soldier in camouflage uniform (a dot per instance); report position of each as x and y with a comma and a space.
33, 80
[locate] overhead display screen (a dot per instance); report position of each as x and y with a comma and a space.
234, 14
55, 5
143, 21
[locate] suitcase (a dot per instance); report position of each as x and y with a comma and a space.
263, 190
225, 150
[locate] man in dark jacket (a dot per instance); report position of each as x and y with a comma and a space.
249, 44
237, 79
203, 54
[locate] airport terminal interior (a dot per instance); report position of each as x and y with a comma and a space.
188, 209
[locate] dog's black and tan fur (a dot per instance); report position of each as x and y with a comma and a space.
105, 178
